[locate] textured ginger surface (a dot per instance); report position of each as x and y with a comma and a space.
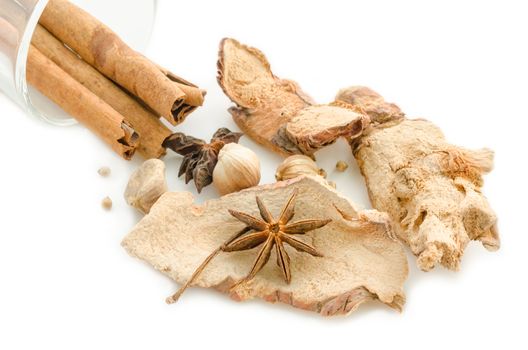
362, 260
275, 112
430, 188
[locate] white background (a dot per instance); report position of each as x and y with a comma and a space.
65, 282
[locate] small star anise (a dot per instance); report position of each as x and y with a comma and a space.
269, 233
200, 158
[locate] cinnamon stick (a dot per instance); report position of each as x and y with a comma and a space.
151, 130
81, 103
102, 48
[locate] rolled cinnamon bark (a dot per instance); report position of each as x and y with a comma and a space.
81, 103
102, 48
151, 130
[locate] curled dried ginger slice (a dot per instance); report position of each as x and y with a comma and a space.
275, 112
317, 126
362, 260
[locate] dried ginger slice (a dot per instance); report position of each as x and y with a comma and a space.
371, 103
430, 188
363, 261
267, 105
317, 126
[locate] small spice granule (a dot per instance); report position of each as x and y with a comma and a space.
341, 166
104, 171
107, 203
322, 173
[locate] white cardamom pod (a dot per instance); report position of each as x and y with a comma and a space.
238, 168
296, 165
299, 165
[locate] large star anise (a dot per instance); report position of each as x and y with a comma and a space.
200, 158
273, 233
269, 233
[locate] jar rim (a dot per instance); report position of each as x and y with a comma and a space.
21, 84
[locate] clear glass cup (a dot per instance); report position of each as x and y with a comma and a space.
131, 20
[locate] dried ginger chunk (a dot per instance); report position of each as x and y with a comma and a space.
362, 259
267, 105
310, 129
146, 185
430, 188
371, 103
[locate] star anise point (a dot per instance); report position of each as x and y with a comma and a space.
277, 232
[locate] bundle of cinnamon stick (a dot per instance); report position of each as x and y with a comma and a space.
85, 68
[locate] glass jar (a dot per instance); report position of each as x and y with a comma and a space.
131, 20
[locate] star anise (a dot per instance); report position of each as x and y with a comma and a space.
200, 158
269, 233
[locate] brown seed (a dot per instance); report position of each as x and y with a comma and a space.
107, 203
322, 173
104, 171
341, 166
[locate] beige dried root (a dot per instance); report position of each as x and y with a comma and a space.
146, 185
276, 112
371, 103
362, 261
430, 188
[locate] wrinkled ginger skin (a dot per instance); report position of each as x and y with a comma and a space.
430, 188
362, 260
146, 185
264, 101
371, 103
275, 112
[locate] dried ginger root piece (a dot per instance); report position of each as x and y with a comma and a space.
317, 126
430, 188
362, 259
276, 112
371, 103
146, 185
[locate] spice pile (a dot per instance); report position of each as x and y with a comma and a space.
330, 256
427, 194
